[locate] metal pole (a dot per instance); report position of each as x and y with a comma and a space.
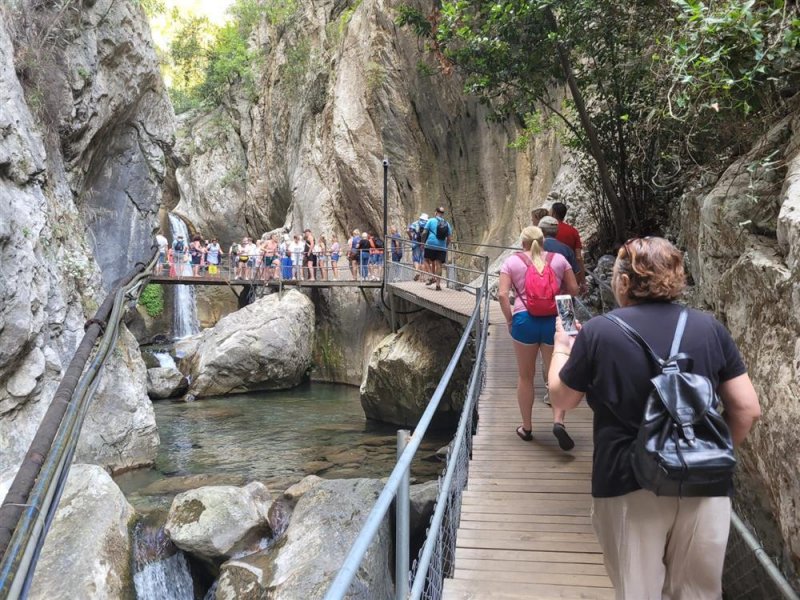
402, 523
386, 244
392, 312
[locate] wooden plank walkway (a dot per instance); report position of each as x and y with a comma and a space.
457, 305
274, 283
525, 528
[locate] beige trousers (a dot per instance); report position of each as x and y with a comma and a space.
663, 548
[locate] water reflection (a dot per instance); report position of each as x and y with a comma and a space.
274, 437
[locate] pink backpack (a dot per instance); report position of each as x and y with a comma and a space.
540, 288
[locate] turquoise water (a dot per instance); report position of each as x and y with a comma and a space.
274, 437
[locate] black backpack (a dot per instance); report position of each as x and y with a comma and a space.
683, 447
179, 247
442, 229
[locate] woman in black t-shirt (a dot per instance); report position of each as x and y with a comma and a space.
653, 546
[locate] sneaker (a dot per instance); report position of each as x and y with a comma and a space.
546, 398
564, 441
429, 282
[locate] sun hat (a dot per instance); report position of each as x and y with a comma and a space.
423, 217
548, 224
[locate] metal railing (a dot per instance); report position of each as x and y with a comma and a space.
367, 266
30, 505
435, 560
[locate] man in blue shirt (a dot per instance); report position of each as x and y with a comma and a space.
439, 234
549, 227
415, 230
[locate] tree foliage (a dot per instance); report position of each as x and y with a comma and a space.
626, 65
206, 60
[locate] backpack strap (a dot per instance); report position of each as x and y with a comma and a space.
671, 364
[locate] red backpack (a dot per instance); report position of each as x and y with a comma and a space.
540, 288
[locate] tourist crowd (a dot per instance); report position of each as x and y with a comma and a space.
307, 257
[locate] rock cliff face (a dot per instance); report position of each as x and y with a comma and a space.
342, 88
84, 124
743, 238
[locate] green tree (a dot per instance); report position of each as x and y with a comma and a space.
618, 61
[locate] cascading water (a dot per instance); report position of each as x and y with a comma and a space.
185, 321
161, 570
165, 360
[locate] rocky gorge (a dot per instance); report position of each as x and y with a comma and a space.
92, 160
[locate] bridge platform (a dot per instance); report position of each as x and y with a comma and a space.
525, 528
274, 283
456, 305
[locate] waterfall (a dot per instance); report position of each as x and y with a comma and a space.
184, 321
165, 360
159, 575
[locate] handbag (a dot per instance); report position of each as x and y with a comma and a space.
683, 447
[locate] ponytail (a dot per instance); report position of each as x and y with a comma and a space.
537, 255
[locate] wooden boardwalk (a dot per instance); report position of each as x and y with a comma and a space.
525, 528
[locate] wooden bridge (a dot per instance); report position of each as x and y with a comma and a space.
525, 530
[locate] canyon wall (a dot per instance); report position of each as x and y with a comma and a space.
85, 132
742, 233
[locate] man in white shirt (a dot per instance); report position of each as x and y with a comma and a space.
163, 244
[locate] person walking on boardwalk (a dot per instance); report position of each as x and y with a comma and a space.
353, 255
536, 277
214, 257
436, 241
670, 545
163, 245
415, 230
179, 249
335, 252
396, 244
568, 235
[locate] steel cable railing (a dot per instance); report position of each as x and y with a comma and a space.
437, 553
32, 500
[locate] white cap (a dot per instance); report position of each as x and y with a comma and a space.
423, 217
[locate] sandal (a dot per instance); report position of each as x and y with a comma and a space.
564, 440
526, 435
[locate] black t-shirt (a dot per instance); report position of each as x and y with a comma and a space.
615, 373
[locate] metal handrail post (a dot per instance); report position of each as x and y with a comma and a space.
402, 523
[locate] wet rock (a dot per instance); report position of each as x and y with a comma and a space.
87, 552
295, 492
165, 382
405, 369
215, 522
175, 485
316, 466
263, 346
322, 529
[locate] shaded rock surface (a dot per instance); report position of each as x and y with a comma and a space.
87, 552
120, 430
214, 522
322, 529
81, 172
165, 382
264, 346
405, 369
745, 261
350, 326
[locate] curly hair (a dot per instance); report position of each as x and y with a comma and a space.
654, 267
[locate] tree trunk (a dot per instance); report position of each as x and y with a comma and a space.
617, 210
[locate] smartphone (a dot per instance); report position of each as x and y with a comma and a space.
567, 313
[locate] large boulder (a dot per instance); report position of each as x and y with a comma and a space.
120, 430
87, 553
324, 525
214, 522
405, 369
742, 234
165, 382
263, 346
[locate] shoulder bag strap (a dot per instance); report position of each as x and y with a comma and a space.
674, 353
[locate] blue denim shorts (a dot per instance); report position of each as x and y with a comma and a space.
527, 329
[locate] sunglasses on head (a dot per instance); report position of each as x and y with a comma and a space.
627, 245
